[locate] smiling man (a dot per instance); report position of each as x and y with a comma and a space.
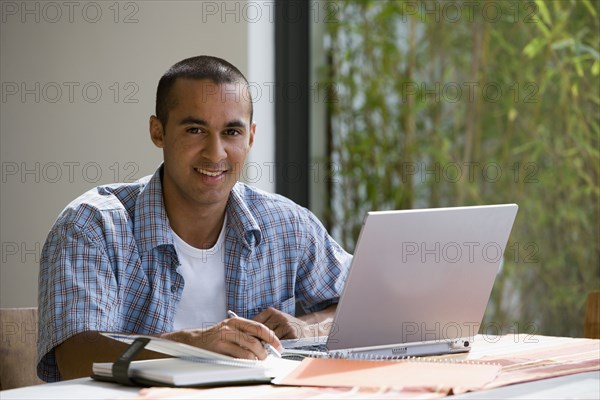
170, 254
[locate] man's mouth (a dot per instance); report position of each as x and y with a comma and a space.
209, 173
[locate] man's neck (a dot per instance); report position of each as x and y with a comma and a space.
199, 229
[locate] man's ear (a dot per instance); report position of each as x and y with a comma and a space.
252, 132
157, 132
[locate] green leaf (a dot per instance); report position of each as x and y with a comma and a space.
561, 44
591, 51
574, 90
544, 29
534, 47
589, 6
578, 67
544, 13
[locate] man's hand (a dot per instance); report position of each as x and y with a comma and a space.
286, 326
236, 337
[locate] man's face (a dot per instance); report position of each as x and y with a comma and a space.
205, 141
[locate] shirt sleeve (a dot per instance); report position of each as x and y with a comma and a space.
323, 269
77, 292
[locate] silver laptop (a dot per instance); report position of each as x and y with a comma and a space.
419, 283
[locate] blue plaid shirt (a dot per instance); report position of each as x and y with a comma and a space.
109, 263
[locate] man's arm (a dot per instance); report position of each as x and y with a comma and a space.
75, 355
321, 272
286, 326
237, 337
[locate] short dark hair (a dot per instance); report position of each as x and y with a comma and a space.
211, 68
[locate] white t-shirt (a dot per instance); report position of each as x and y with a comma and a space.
203, 300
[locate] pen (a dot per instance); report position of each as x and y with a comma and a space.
270, 349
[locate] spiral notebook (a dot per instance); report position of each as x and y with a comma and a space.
190, 366
419, 283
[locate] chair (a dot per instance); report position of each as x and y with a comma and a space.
18, 336
591, 324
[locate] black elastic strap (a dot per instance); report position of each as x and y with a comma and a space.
120, 368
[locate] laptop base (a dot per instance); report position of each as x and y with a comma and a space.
394, 351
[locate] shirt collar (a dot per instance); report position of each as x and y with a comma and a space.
242, 219
152, 227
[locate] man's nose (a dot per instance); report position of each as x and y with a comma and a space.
214, 149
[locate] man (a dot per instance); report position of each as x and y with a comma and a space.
170, 254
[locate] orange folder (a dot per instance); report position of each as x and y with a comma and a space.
404, 374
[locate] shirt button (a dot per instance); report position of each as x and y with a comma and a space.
173, 288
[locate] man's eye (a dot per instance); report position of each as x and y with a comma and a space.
193, 130
232, 132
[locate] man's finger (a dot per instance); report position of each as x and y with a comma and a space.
238, 349
253, 331
265, 315
288, 331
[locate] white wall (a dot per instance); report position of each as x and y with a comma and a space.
78, 85
261, 75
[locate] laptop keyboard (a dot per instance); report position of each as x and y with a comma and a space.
304, 343
312, 347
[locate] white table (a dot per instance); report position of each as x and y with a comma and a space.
584, 385
83, 388
578, 386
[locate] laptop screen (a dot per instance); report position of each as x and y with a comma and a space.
421, 275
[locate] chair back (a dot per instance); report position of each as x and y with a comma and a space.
18, 351
591, 324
